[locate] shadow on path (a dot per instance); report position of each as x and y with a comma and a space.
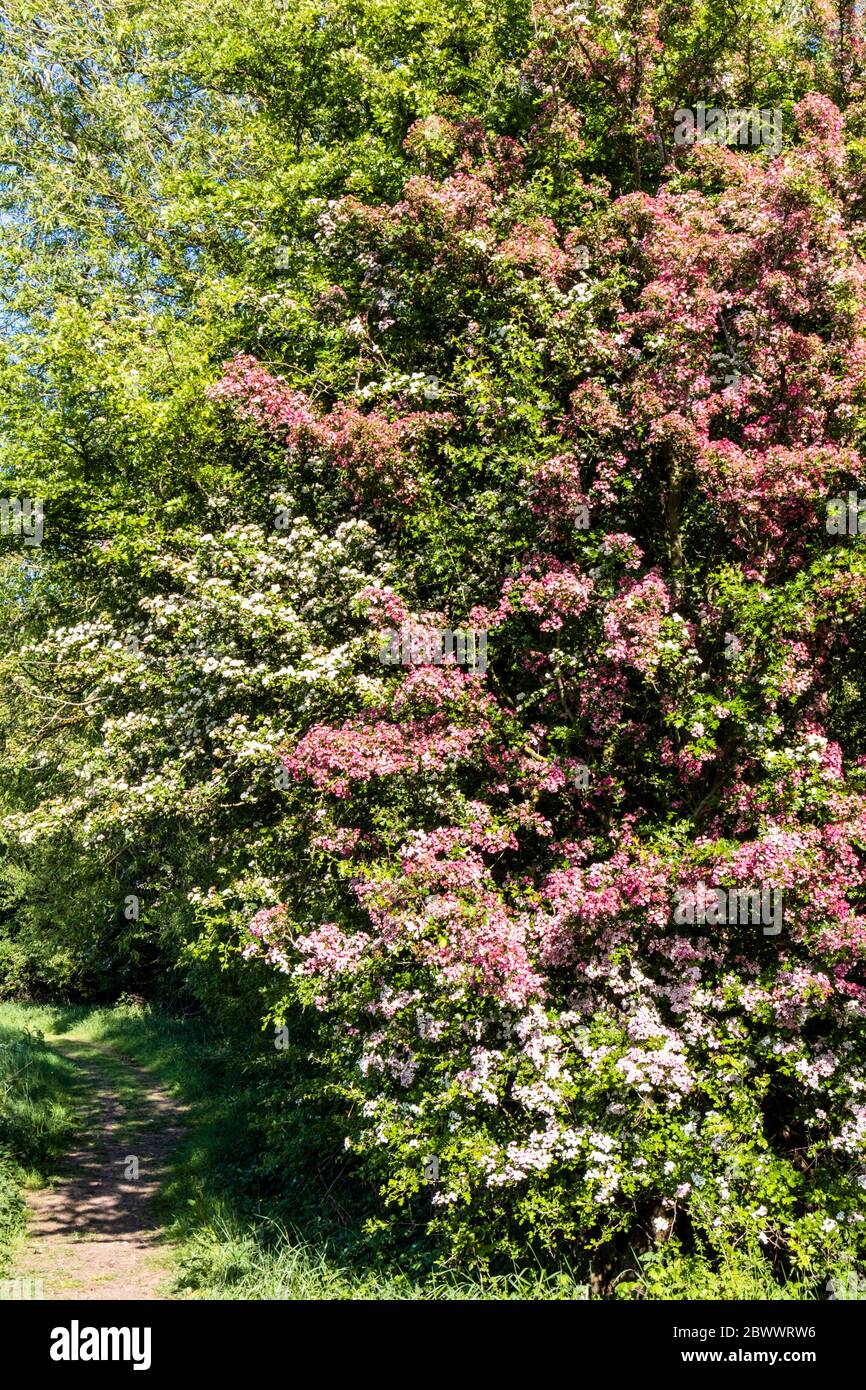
93, 1233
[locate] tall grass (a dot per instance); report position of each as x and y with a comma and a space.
250, 1223
37, 1114
247, 1204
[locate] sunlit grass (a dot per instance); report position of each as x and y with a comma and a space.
229, 1243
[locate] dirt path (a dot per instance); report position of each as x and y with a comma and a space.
93, 1233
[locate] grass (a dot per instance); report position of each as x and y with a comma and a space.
39, 1096
222, 1204
250, 1212
668, 1274
256, 1263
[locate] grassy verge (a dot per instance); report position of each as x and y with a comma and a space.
249, 1224
254, 1212
40, 1094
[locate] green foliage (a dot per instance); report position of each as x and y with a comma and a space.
37, 1120
316, 1241
168, 183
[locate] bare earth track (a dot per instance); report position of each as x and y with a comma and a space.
93, 1233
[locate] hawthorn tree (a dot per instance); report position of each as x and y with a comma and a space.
353, 319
